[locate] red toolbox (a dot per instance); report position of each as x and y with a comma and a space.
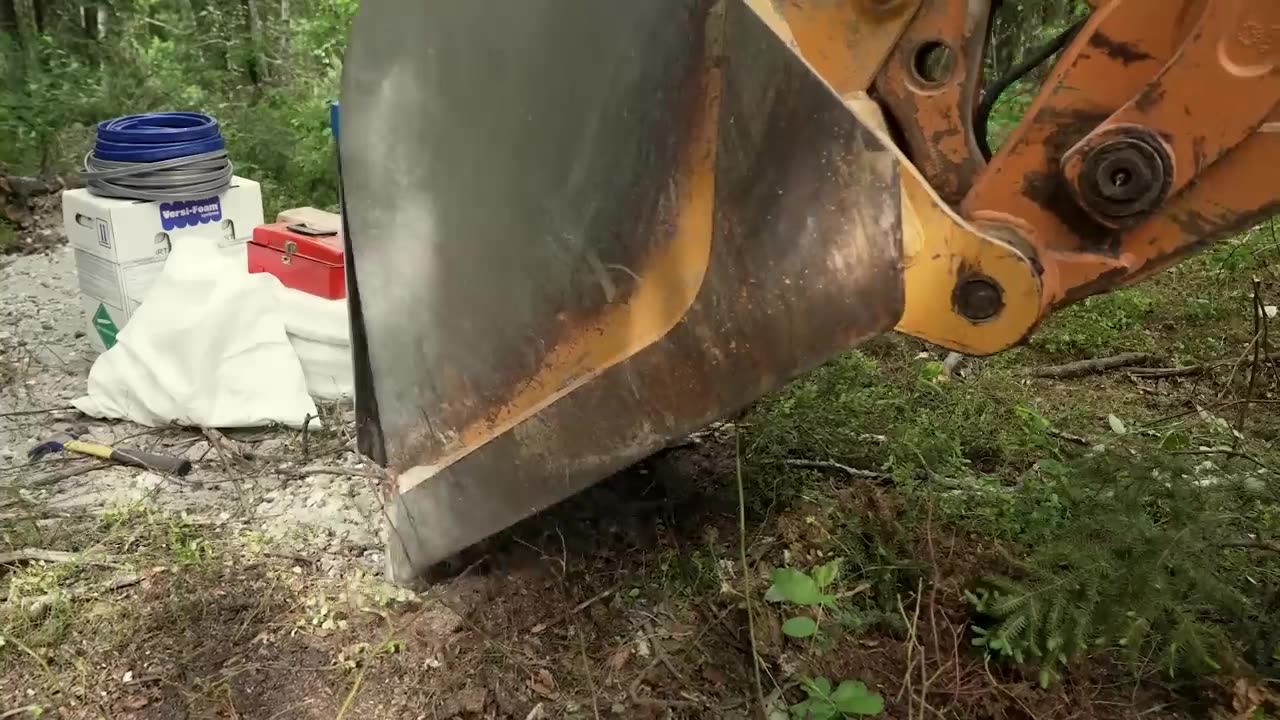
304, 258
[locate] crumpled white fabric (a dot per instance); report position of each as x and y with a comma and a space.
207, 348
321, 337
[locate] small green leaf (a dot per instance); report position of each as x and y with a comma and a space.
814, 709
853, 698
1053, 468
826, 574
1117, 425
1175, 440
800, 627
796, 587
1046, 678
818, 687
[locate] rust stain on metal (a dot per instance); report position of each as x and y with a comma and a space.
846, 42
1049, 189
1115, 55
1148, 100
1100, 283
1126, 52
581, 347
935, 116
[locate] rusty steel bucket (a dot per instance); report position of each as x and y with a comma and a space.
578, 231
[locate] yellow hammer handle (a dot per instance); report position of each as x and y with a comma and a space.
88, 448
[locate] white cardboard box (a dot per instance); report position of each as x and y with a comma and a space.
121, 245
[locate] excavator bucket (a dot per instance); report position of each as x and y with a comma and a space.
578, 231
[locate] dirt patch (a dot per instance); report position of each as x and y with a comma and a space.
632, 610
254, 479
30, 214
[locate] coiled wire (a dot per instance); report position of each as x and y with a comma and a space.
158, 156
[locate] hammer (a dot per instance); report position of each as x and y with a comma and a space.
69, 441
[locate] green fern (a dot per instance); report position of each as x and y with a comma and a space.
1136, 568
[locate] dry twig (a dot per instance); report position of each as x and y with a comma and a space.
224, 447
1251, 544
55, 556
829, 465
41, 411
349, 472
1259, 347
1080, 368
37, 605
58, 476
1229, 453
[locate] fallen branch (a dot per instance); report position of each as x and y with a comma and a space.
224, 447
349, 472
41, 603
829, 465
1260, 325
1186, 370
1080, 368
1251, 544
59, 475
1170, 372
35, 711
39, 515
41, 411
296, 557
1069, 437
54, 556
1229, 453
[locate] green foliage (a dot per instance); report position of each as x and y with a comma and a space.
1020, 27
1131, 560
899, 418
1099, 541
802, 589
1009, 111
1099, 326
268, 83
850, 699
1253, 251
8, 237
187, 545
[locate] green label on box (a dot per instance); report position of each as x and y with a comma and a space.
105, 326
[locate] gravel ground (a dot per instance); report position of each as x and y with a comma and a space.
253, 479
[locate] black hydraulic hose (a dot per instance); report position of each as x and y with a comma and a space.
982, 116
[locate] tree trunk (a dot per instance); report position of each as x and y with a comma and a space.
89, 24
285, 40
256, 66
9, 20
11, 43
90, 15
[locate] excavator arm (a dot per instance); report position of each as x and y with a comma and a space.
578, 231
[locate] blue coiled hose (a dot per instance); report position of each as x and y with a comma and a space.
158, 156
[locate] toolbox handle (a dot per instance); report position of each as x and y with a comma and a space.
309, 231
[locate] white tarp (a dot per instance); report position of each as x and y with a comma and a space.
321, 336
207, 348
